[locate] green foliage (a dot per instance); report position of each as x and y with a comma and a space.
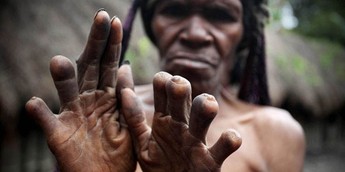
320, 18
141, 55
275, 10
143, 49
330, 57
320, 63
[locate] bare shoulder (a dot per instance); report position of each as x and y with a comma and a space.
142, 89
145, 93
277, 121
284, 142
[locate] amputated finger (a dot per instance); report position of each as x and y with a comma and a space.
62, 71
204, 109
89, 61
159, 91
110, 60
228, 143
179, 98
40, 112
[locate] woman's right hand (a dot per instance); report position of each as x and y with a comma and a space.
87, 134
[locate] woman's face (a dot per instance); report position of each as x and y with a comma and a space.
197, 39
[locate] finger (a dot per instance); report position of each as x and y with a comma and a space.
62, 71
135, 117
88, 63
228, 143
179, 98
125, 78
160, 96
40, 112
204, 109
109, 63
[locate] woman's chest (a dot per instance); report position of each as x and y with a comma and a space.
249, 156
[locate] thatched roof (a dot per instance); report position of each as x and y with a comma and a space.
306, 73
34, 31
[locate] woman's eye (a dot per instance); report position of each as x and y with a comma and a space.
174, 10
219, 15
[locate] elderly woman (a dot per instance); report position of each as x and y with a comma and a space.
107, 125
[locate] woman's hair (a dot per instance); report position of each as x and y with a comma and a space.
252, 76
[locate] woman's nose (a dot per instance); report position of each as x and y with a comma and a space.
196, 33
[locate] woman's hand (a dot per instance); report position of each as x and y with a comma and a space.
88, 134
176, 141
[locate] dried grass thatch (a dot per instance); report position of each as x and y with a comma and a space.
306, 73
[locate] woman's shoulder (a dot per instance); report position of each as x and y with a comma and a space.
143, 89
280, 120
265, 117
284, 138
267, 121
145, 93
278, 136
281, 137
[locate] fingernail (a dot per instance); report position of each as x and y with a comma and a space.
99, 10
112, 19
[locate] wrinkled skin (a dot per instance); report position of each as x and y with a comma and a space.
198, 40
90, 134
87, 135
176, 141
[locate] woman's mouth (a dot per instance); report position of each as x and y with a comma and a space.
190, 60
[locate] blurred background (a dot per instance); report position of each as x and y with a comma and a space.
306, 70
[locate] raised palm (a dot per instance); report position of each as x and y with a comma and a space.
176, 141
87, 135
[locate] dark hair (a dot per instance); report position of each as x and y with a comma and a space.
253, 79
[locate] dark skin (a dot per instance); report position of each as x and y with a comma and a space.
87, 135
159, 125
90, 134
177, 139
198, 39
